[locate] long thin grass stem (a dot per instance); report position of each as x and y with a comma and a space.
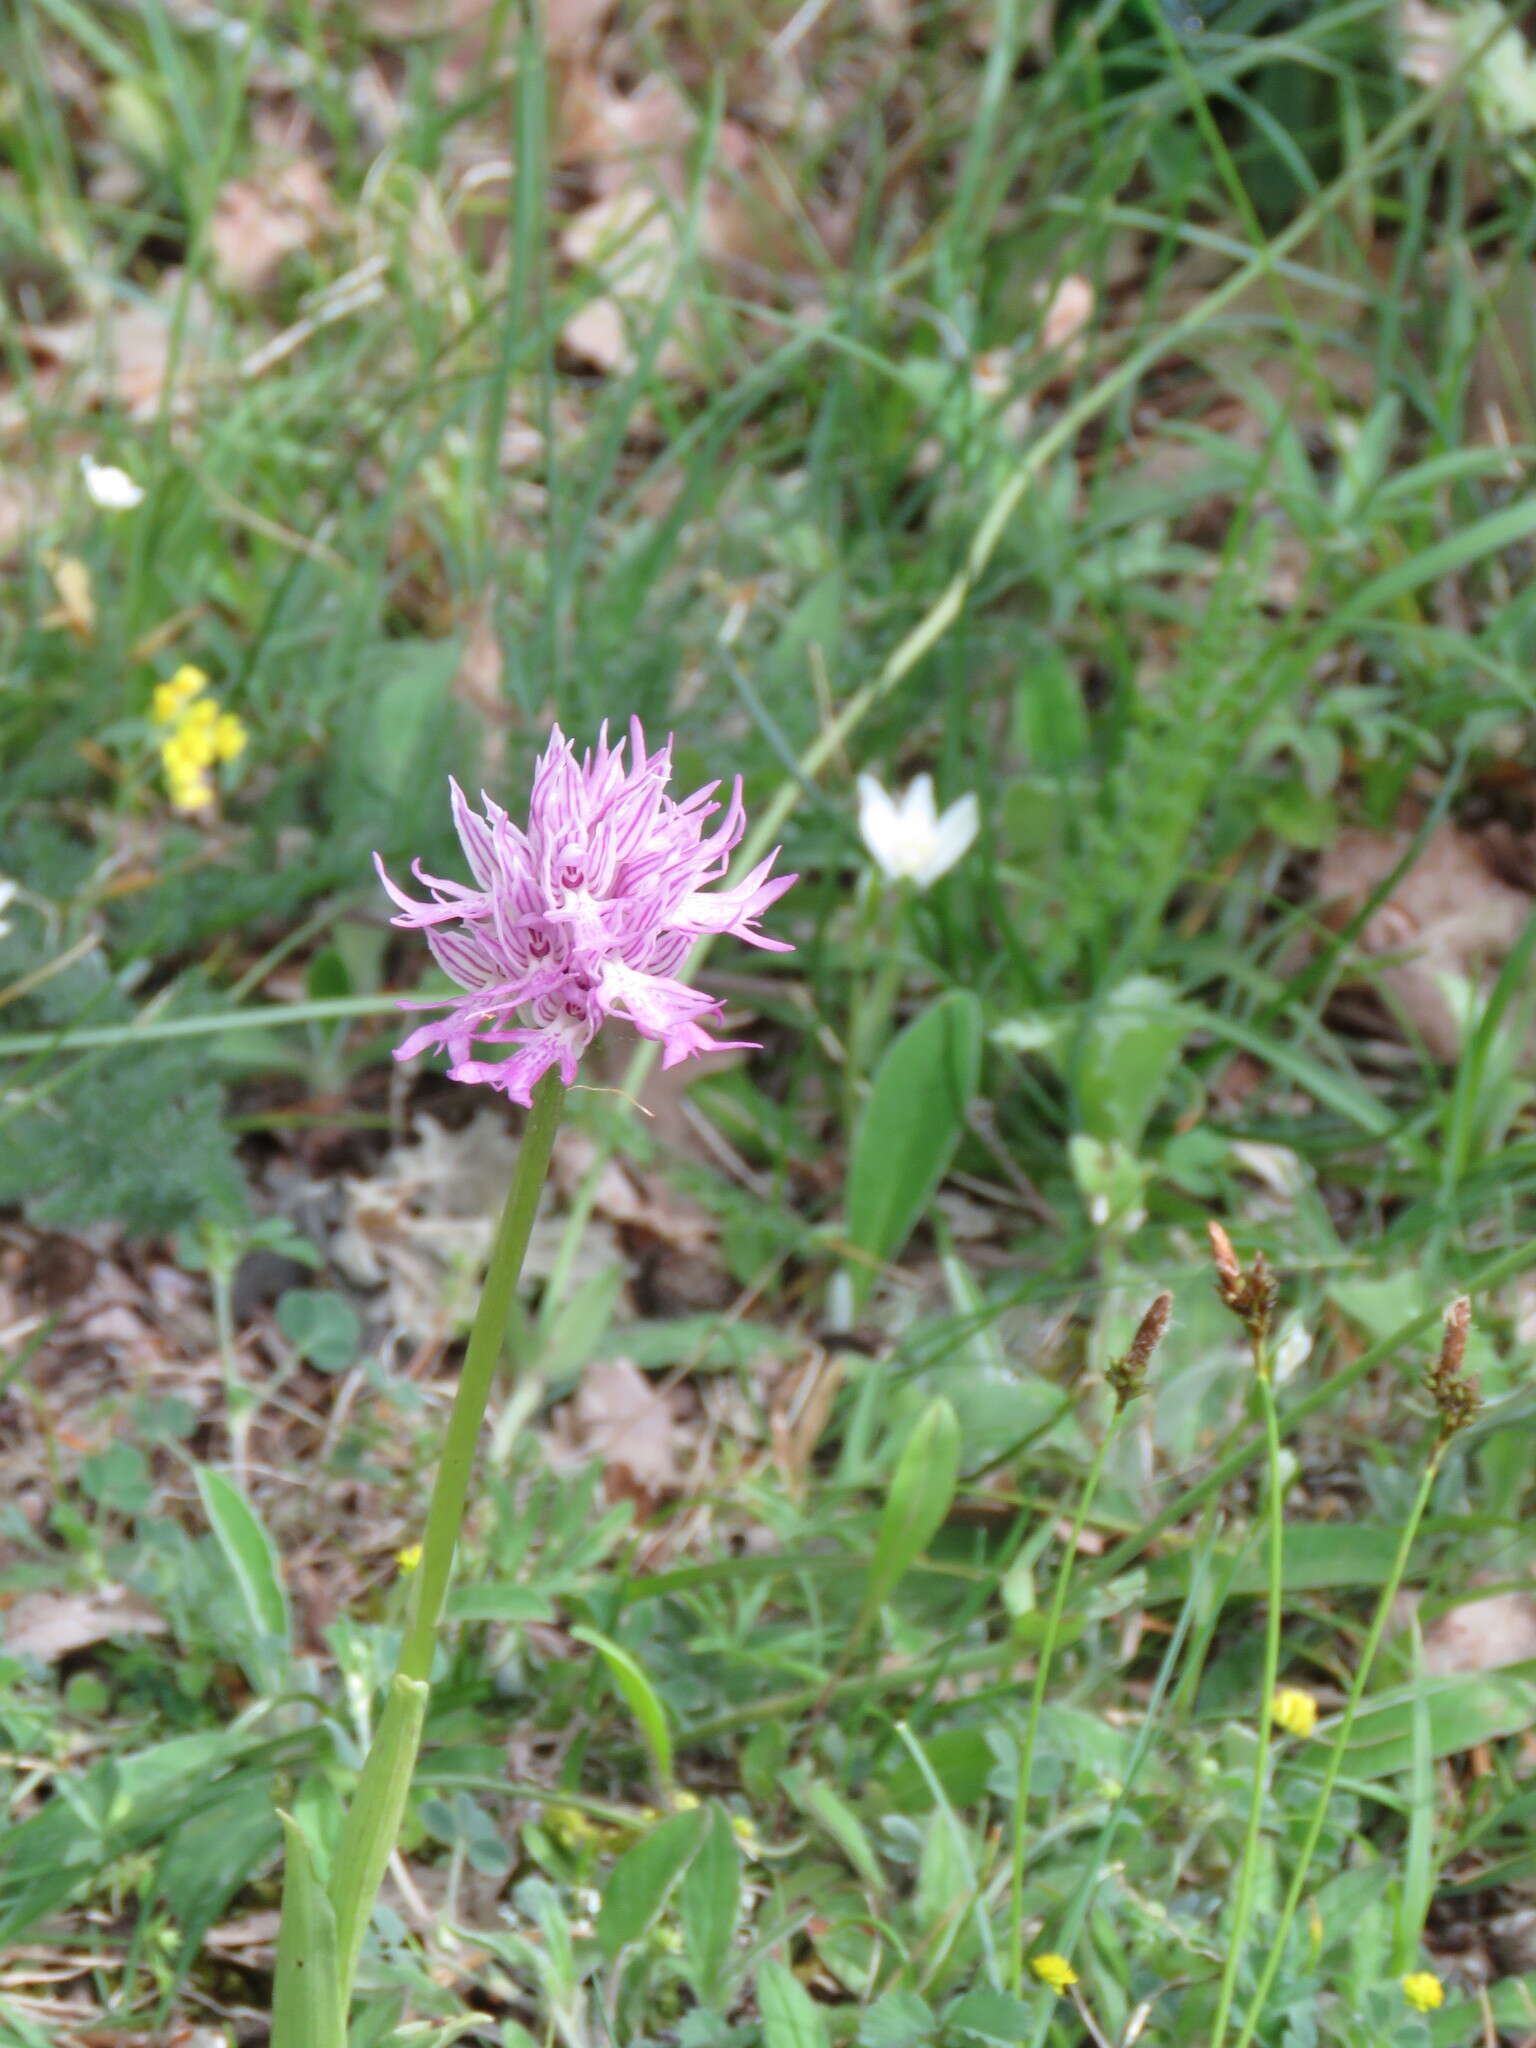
1037, 1696
1336, 1753
1242, 1907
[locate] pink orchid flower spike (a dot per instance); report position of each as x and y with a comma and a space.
586, 913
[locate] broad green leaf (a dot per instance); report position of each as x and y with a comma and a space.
118, 1478
639, 1882
910, 1126
493, 1601
210, 1855
961, 1759
1337, 1088
1111, 1180
945, 1878
120, 1806
705, 1343
791, 2017
1469, 543
817, 1799
1318, 1555
402, 692
708, 1905
1050, 719
321, 1327
372, 1824
922, 1492
898, 2020
639, 1695
1464, 1710
1511, 2006
813, 631
1120, 1059
251, 1556
990, 2016
571, 1328
308, 2003
326, 976
948, 1867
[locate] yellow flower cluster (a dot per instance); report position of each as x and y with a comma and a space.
1054, 1970
576, 1831
199, 734
1294, 1710
1423, 1990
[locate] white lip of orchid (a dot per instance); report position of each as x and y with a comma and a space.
908, 838
114, 490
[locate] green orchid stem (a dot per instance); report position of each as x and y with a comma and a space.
372, 1822
450, 1489
1037, 1693
1242, 1910
1340, 1744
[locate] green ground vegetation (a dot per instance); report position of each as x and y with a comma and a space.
1121, 415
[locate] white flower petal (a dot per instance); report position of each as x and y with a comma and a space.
919, 812
881, 828
951, 839
114, 490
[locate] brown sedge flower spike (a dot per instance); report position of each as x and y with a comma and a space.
1127, 1376
1455, 1393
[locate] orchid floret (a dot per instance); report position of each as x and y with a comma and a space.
587, 913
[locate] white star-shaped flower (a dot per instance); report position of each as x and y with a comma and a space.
908, 838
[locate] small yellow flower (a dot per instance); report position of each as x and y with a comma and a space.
747, 1832
1053, 1970
572, 1828
1315, 1928
201, 733
184, 748
229, 737
169, 698
188, 787
1423, 1990
1294, 1710
408, 1559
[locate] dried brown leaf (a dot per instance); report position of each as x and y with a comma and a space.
629, 241
643, 1203
1440, 934
891, 19
24, 507
1428, 42
76, 609
256, 1930
123, 355
801, 1409
51, 1626
615, 136
632, 1426
572, 27
1482, 1635
259, 222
